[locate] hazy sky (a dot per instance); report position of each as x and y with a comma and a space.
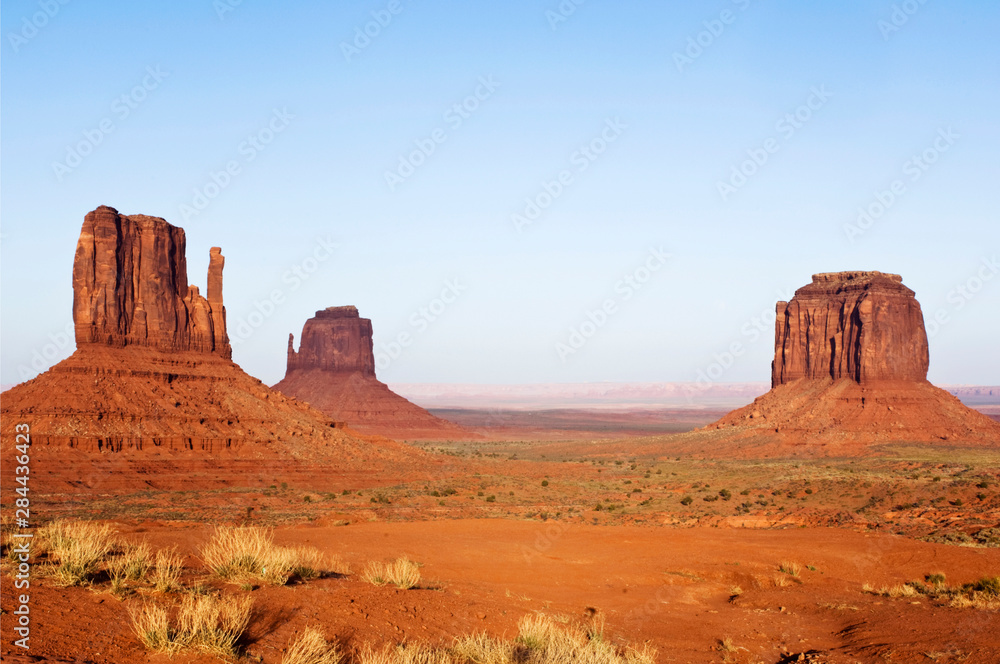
527, 191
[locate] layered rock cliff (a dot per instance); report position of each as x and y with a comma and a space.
866, 326
337, 339
130, 287
849, 371
152, 375
334, 371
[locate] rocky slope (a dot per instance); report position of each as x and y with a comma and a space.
334, 371
849, 371
152, 376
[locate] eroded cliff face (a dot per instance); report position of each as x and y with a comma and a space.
130, 287
334, 371
337, 339
866, 326
152, 372
850, 372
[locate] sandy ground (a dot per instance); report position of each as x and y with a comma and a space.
683, 590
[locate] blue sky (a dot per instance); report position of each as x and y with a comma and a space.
621, 122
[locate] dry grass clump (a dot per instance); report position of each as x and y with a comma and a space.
152, 627
131, 564
78, 548
540, 640
981, 594
402, 572
204, 622
792, 569
311, 648
167, 570
248, 552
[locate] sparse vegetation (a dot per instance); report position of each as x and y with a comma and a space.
248, 552
792, 569
204, 622
402, 573
981, 594
540, 640
78, 548
311, 648
167, 570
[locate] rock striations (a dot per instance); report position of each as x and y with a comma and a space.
866, 326
130, 287
849, 371
152, 371
334, 371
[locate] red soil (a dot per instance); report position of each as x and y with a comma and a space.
673, 588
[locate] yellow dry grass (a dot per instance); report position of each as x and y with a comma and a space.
311, 648
167, 570
402, 572
204, 622
540, 640
78, 548
249, 552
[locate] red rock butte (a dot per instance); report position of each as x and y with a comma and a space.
334, 371
850, 371
152, 379
866, 326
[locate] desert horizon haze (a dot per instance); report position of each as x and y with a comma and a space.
535, 332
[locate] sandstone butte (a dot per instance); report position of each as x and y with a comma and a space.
334, 371
850, 369
152, 375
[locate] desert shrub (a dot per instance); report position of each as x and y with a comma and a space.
248, 552
491, 498
167, 570
131, 564
402, 572
152, 626
726, 494
936, 579
311, 648
988, 585
78, 548
213, 624
792, 569
204, 622
687, 500
545, 482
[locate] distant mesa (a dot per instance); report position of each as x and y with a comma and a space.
334, 371
152, 371
850, 369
